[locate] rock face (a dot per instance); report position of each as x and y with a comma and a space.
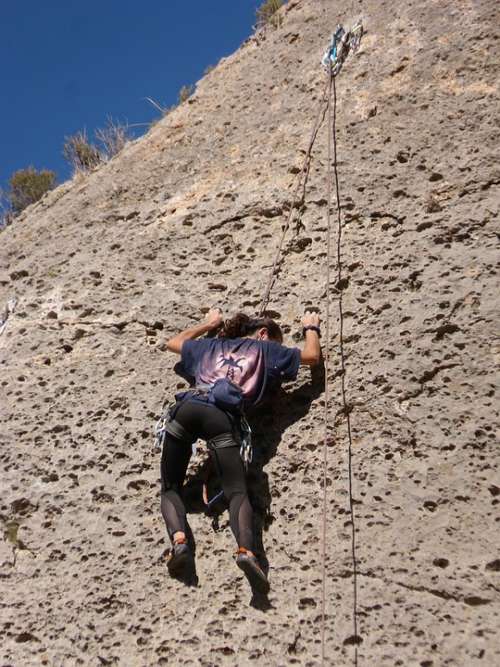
105, 267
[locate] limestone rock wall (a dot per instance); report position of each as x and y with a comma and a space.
105, 267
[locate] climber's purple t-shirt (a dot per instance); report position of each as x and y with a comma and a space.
249, 363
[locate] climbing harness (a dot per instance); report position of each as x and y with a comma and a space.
167, 424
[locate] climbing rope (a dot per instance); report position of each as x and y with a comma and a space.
332, 135
296, 203
342, 43
331, 80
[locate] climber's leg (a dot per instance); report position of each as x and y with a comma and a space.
174, 462
216, 428
232, 473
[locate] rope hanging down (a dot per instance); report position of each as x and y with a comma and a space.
331, 81
354, 639
342, 43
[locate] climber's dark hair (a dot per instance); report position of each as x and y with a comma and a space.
242, 325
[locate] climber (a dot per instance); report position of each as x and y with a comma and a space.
229, 372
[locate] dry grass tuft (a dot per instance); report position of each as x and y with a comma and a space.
112, 138
80, 153
267, 14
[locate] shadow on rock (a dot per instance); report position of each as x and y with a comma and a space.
260, 601
269, 422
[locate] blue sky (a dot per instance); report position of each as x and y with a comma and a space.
69, 64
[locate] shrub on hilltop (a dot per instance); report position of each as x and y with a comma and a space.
27, 186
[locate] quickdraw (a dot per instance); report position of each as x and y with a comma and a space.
8, 310
160, 430
343, 42
246, 449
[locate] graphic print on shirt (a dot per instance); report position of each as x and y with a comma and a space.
243, 364
232, 365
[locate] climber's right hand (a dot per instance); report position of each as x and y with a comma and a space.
214, 318
212, 321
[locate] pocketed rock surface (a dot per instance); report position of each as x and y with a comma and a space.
108, 265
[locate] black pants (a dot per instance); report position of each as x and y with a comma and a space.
205, 421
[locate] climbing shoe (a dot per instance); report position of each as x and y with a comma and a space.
252, 570
180, 562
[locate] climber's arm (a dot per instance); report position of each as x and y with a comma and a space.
212, 321
310, 354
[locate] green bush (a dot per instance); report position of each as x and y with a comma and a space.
80, 153
26, 186
267, 14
